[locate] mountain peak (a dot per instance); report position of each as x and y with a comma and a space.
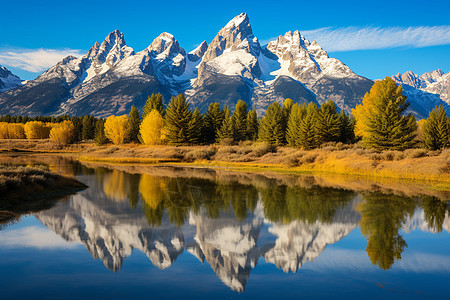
166, 42
8, 80
236, 35
237, 21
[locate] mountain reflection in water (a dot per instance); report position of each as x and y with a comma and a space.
230, 221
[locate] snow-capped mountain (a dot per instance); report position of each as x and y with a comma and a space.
111, 76
428, 90
8, 80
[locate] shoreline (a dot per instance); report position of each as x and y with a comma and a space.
417, 165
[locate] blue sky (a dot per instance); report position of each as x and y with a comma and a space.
376, 38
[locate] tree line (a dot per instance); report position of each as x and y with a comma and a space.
380, 122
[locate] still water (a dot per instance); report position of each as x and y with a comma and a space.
167, 232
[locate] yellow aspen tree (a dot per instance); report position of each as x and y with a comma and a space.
62, 133
116, 128
37, 130
16, 131
153, 129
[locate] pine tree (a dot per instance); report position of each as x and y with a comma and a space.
133, 125
272, 125
177, 119
78, 128
297, 114
155, 101
436, 129
212, 122
287, 107
307, 136
328, 129
386, 128
346, 128
252, 125
195, 127
100, 136
88, 127
239, 119
226, 130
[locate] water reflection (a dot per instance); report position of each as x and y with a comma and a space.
230, 220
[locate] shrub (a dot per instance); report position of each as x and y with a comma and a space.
263, 148
417, 153
309, 158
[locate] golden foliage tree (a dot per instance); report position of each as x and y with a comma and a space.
153, 129
62, 133
37, 130
11, 131
116, 128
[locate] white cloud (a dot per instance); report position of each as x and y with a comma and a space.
35, 237
364, 38
34, 60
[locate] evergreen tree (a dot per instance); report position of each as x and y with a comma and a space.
195, 127
177, 119
100, 137
252, 125
386, 128
133, 125
226, 130
88, 131
212, 122
297, 114
78, 128
328, 125
346, 128
239, 119
272, 125
155, 101
287, 107
436, 129
307, 135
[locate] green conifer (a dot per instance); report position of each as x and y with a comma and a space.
252, 125
346, 128
307, 135
272, 125
387, 127
328, 125
155, 101
297, 114
212, 122
436, 130
239, 119
134, 122
100, 136
195, 127
88, 124
226, 130
177, 120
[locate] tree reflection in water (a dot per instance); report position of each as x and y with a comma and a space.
227, 214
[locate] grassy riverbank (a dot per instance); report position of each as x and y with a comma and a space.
412, 164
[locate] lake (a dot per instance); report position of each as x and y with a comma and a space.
174, 232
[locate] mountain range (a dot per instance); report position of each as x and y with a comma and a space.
111, 76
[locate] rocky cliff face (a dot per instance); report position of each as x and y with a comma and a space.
8, 80
426, 91
111, 77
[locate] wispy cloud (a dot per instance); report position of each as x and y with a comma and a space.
34, 60
34, 237
366, 38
